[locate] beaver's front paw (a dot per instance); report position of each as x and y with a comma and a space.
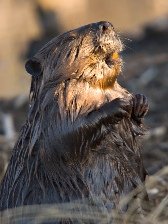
140, 107
117, 109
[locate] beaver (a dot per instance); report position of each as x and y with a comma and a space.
82, 136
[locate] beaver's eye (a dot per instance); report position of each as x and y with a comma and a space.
70, 38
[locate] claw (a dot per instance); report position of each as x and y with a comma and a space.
140, 107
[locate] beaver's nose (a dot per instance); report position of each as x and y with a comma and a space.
104, 26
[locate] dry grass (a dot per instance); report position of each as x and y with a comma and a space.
156, 213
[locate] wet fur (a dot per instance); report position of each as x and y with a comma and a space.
73, 146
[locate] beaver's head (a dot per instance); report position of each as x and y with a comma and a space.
89, 54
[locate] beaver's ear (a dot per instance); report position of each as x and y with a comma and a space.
33, 67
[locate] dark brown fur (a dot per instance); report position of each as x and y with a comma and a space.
80, 140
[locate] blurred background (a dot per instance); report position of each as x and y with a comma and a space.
26, 25
143, 27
